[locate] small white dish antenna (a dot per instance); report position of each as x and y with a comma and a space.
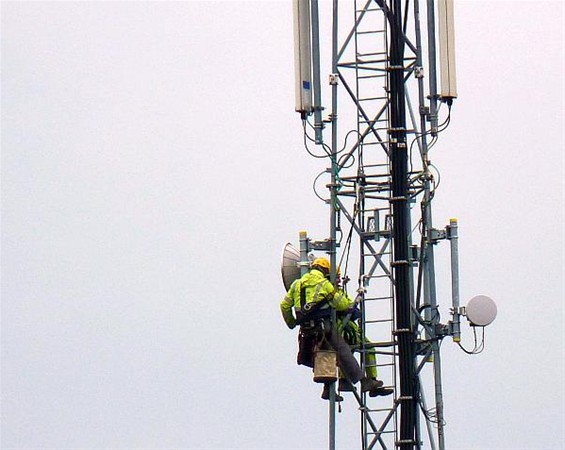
481, 311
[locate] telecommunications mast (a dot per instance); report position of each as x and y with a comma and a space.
384, 71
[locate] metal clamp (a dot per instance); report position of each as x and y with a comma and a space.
320, 245
437, 235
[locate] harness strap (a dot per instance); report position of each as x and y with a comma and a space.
308, 310
311, 313
316, 293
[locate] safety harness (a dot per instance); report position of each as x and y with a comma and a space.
312, 311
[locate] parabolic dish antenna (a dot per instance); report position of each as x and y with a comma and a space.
481, 310
289, 265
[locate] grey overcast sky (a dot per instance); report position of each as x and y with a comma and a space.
152, 170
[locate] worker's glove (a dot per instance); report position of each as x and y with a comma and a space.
291, 324
354, 313
289, 319
350, 335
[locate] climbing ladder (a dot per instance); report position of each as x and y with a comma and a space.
364, 198
363, 66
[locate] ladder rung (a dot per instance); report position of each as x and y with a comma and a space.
372, 143
377, 186
384, 431
377, 276
371, 54
385, 365
383, 353
380, 344
379, 75
361, 65
377, 298
381, 60
371, 32
366, 166
369, 10
372, 122
372, 61
379, 321
373, 98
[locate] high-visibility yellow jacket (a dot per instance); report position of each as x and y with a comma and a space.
317, 288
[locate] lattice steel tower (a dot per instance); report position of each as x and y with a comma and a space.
384, 69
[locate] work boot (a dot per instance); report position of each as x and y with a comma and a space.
382, 392
326, 394
345, 385
370, 384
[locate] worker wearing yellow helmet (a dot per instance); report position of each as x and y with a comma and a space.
313, 296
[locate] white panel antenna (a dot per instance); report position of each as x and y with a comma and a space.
447, 49
302, 57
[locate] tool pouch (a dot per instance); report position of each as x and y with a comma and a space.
307, 344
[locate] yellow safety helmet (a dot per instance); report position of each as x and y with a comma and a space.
323, 263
